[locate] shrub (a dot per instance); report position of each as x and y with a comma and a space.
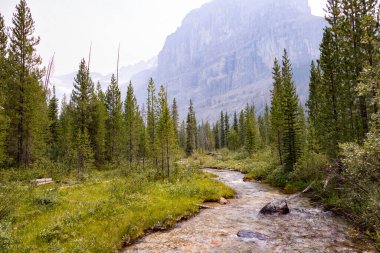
309, 167
48, 198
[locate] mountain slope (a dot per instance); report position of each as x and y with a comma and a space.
222, 54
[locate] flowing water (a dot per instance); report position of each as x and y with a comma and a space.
306, 229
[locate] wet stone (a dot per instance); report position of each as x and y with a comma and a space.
248, 234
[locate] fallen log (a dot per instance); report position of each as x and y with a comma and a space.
42, 181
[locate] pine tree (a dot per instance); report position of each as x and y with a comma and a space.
175, 118
249, 132
99, 121
191, 130
235, 125
25, 98
314, 105
142, 150
114, 122
242, 128
233, 140
216, 133
82, 96
3, 77
152, 122
292, 138
182, 135
130, 121
222, 131
276, 111
85, 153
66, 145
53, 127
166, 131
267, 126
226, 128
206, 138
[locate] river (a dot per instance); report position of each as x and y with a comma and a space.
308, 228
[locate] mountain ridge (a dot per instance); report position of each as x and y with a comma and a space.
226, 49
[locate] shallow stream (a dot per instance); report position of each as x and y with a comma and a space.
306, 229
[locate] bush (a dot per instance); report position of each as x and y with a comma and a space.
48, 198
5, 237
277, 177
309, 167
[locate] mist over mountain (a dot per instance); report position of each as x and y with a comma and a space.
222, 55
64, 83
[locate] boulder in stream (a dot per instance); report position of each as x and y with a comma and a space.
278, 206
223, 201
248, 234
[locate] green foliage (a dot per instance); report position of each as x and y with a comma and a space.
114, 122
191, 131
99, 125
131, 114
233, 140
310, 167
85, 153
25, 103
109, 206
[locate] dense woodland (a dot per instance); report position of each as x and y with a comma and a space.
334, 139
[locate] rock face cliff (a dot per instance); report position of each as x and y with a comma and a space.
222, 55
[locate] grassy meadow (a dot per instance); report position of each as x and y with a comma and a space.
102, 213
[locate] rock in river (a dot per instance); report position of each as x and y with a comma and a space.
223, 201
278, 206
247, 234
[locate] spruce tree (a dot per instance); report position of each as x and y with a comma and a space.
82, 96
166, 131
3, 77
235, 125
242, 128
226, 128
152, 122
276, 111
25, 98
114, 122
175, 118
53, 127
314, 105
249, 132
216, 132
142, 151
292, 138
267, 125
222, 131
85, 153
182, 135
99, 121
131, 124
191, 130
66, 147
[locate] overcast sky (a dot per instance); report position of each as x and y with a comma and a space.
67, 28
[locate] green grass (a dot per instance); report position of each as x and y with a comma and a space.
103, 213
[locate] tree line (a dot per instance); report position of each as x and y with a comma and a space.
90, 128
95, 127
343, 103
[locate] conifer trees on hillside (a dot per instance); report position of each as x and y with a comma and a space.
25, 97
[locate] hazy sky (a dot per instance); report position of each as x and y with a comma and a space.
67, 28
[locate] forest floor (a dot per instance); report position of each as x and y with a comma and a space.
105, 212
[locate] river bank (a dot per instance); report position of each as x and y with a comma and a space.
308, 228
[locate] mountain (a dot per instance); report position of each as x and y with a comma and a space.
222, 55
64, 83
